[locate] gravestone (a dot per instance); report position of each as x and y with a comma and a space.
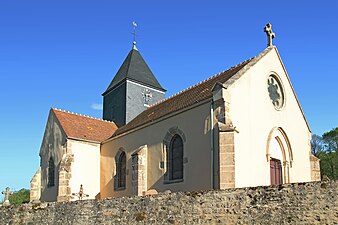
80, 194
7, 193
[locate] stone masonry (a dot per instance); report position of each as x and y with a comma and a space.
35, 191
139, 171
315, 168
302, 203
226, 136
226, 158
64, 191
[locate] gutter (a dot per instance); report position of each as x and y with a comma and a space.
80, 139
212, 144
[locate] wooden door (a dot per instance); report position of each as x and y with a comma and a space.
276, 176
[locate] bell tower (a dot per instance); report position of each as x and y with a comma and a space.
133, 89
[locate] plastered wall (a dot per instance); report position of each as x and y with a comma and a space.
85, 168
255, 117
193, 124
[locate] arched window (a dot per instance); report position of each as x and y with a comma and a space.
51, 172
175, 158
121, 171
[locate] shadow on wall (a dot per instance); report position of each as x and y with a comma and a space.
52, 146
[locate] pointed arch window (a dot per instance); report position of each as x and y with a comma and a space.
51, 172
120, 178
175, 159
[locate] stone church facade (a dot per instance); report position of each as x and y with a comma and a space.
240, 128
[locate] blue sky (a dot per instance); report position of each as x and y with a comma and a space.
63, 54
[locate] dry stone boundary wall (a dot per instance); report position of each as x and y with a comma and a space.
302, 203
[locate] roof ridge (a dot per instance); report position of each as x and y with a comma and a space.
199, 83
196, 93
128, 66
77, 114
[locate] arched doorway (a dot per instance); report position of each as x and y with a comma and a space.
279, 156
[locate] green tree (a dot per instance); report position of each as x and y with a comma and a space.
331, 146
325, 148
19, 197
331, 140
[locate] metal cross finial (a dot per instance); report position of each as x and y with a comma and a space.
7, 193
80, 194
134, 35
270, 34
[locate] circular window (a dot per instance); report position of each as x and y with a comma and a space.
276, 92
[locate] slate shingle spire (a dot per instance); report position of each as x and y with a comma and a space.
136, 69
132, 90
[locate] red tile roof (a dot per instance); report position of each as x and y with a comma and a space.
84, 127
186, 98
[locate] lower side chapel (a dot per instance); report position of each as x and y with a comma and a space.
240, 128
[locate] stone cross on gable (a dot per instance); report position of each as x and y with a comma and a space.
7, 193
80, 194
270, 34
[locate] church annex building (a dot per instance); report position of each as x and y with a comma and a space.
242, 127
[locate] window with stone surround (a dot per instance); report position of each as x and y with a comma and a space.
175, 159
276, 92
51, 173
120, 177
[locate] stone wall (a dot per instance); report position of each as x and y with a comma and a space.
315, 168
35, 191
139, 171
303, 203
65, 174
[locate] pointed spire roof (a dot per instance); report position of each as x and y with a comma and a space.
136, 69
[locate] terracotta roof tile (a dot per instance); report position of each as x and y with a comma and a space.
84, 127
186, 98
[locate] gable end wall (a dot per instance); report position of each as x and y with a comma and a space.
254, 117
53, 145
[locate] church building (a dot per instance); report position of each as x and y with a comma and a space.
240, 128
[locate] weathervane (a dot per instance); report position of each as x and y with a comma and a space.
270, 34
134, 35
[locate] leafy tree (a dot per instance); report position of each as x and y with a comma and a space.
325, 148
331, 140
19, 197
328, 165
331, 146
